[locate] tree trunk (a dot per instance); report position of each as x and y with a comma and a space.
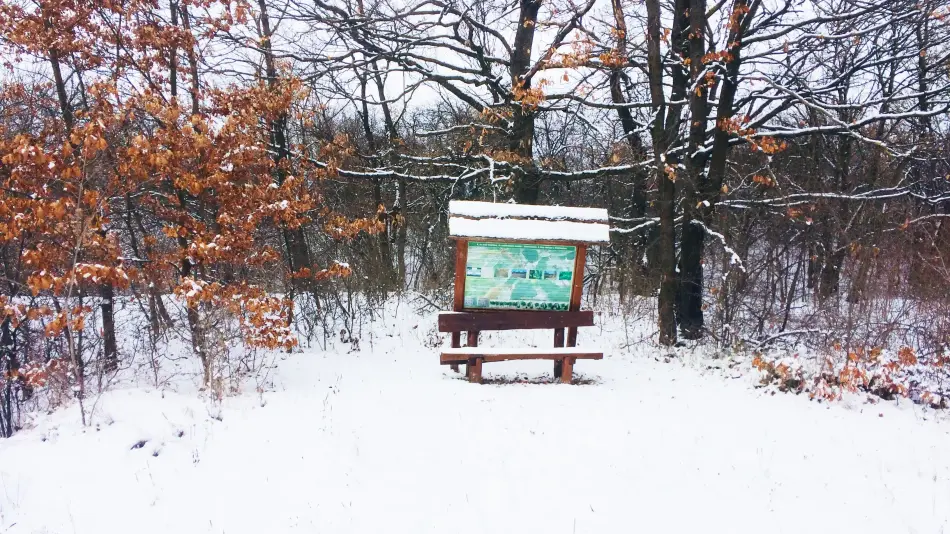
298, 253
689, 288
158, 312
173, 54
665, 122
402, 230
110, 347
527, 185
8, 365
703, 185
383, 240
642, 242
831, 274
398, 216
106, 291
195, 88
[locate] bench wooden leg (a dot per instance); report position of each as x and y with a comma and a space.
456, 343
567, 370
572, 336
473, 370
558, 342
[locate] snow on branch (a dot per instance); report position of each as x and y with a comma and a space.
650, 222
801, 198
734, 259
460, 128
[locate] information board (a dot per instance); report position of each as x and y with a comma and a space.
517, 276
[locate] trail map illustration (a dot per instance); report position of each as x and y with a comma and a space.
517, 276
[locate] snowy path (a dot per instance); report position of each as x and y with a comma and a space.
389, 442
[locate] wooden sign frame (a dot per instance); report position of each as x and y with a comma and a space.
577, 289
461, 259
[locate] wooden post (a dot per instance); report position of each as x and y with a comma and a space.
478, 371
473, 338
456, 343
558, 342
567, 370
577, 290
461, 257
473, 370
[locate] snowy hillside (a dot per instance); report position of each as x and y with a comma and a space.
385, 440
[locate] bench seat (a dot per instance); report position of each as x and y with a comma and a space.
473, 357
464, 354
512, 320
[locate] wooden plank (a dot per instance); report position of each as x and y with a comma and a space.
473, 338
461, 257
577, 290
466, 357
472, 352
567, 370
512, 320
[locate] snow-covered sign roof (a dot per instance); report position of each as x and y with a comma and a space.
523, 222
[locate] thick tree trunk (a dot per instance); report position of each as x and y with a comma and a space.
666, 253
527, 185
836, 245
703, 185
689, 289
664, 124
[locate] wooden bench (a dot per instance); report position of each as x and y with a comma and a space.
474, 356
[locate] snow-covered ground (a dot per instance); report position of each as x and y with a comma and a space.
384, 440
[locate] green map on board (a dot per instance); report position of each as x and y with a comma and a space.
514, 276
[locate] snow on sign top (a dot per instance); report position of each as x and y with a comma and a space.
521, 222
